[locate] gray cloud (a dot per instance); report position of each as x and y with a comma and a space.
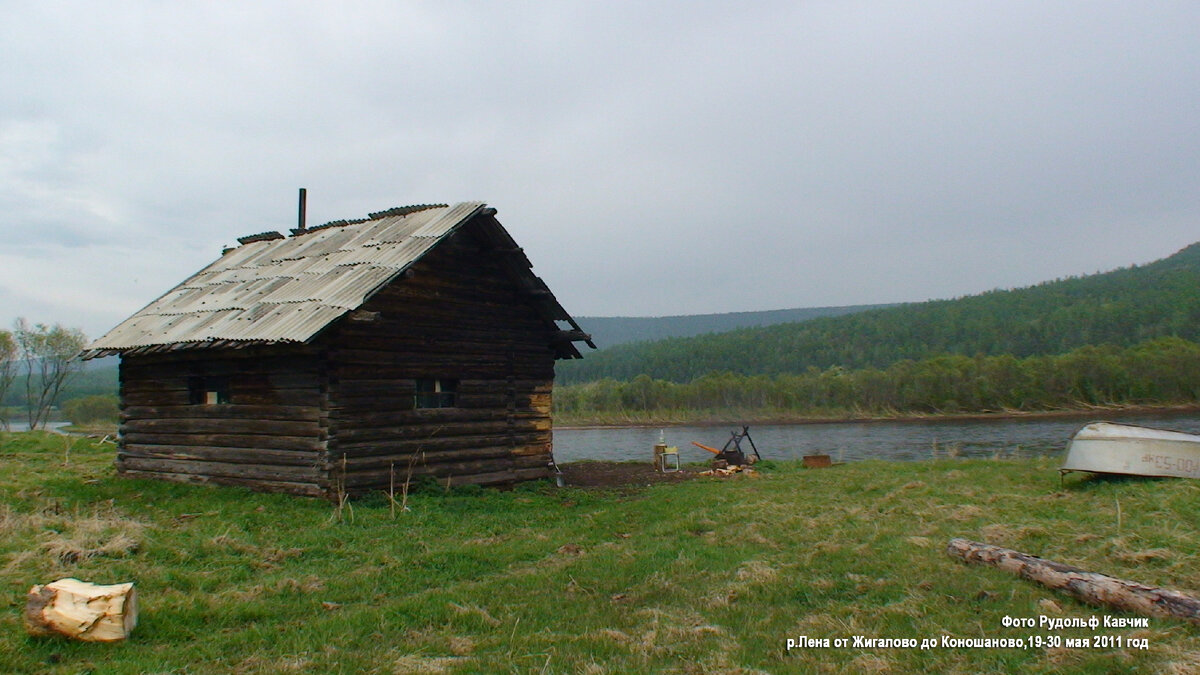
652, 158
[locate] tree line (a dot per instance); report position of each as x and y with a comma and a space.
1155, 372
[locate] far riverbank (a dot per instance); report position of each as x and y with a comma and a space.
759, 417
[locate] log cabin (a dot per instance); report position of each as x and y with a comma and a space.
348, 358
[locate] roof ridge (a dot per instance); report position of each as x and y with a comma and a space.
335, 223
261, 236
404, 210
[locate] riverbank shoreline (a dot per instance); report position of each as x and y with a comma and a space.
1089, 413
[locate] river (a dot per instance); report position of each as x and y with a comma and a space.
844, 441
855, 441
24, 426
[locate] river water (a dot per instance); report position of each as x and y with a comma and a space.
855, 441
844, 441
24, 426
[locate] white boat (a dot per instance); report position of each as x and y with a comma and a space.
1106, 447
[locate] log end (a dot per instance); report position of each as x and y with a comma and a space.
82, 610
35, 604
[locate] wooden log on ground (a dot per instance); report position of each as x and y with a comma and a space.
1090, 587
81, 610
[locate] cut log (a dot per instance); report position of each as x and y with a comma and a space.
81, 610
1090, 587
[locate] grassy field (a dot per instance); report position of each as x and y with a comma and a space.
705, 576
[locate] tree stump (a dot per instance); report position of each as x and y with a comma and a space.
81, 610
1090, 587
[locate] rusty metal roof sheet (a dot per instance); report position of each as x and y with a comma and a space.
275, 290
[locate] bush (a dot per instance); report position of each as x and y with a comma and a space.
92, 409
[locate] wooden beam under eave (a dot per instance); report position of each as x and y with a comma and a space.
571, 336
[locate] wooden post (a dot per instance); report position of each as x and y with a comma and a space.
1090, 587
659, 449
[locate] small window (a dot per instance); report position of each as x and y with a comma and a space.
208, 390
437, 393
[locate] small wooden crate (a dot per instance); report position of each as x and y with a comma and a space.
817, 462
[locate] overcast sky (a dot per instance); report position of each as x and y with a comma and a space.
651, 157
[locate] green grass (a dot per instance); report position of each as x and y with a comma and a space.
708, 576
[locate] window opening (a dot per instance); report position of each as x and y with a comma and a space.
436, 393
208, 390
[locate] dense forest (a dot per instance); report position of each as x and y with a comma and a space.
1120, 308
609, 331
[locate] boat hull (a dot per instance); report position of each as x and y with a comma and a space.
1104, 447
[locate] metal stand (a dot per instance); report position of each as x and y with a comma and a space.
733, 453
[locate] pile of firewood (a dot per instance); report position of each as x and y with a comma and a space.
729, 470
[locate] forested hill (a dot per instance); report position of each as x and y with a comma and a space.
1122, 307
608, 331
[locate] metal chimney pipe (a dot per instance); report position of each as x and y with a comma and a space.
303, 209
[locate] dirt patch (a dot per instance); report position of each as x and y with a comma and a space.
619, 475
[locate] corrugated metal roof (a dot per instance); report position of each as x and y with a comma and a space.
285, 290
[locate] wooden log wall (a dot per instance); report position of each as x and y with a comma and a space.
458, 317
270, 435
339, 416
